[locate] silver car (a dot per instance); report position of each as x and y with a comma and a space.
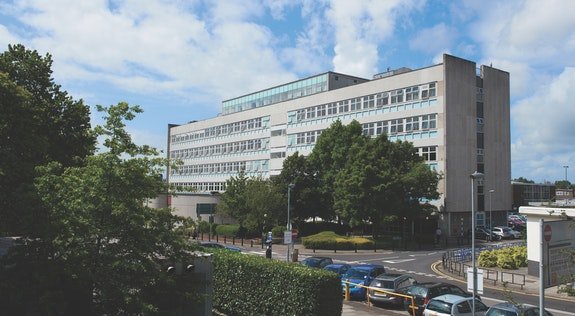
503, 232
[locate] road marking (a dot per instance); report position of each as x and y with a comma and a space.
398, 261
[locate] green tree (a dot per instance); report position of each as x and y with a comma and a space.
383, 179
523, 180
233, 202
251, 201
563, 184
265, 204
104, 250
306, 199
329, 156
39, 123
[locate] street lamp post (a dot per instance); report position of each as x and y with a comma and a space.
566, 167
490, 212
475, 175
288, 225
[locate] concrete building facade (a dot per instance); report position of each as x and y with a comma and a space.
454, 113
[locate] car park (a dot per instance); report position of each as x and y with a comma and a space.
484, 234
454, 305
503, 232
423, 292
508, 309
317, 262
339, 268
358, 278
387, 283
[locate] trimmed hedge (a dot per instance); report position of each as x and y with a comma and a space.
330, 240
253, 285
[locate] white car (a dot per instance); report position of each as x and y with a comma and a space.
503, 232
454, 305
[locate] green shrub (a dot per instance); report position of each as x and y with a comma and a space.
228, 230
331, 240
203, 227
253, 285
278, 231
505, 258
487, 259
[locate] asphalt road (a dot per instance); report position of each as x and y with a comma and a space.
419, 264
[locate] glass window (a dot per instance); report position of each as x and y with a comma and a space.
382, 127
355, 104
382, 99
463, 307
369, 101
397, 96
396, 126
343, 106
411, 93
332, 109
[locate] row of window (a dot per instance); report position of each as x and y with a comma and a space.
202, 186
408, 124
278, 94
236, 127
222, 167
367, 102
307, 137
221, 149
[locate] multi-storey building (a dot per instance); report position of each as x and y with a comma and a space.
455, 114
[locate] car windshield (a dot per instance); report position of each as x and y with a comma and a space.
356, 273
332, 269
313, 262
500, 312
439, 306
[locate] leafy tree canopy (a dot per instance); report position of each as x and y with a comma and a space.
523, 180
104, 248
39, 123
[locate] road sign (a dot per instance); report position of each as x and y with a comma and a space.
547, 233
479, 280
287, 237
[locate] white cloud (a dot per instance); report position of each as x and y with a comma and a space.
154, 46
436, 39
7, 37
544, 122
359, 28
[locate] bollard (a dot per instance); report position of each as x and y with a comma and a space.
217, 238
251, 243
233, 240
224, 239
295, 254
355, 247
242, 241
346, 291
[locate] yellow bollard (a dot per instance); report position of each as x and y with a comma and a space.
346, 291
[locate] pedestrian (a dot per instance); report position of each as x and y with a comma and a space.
437, 235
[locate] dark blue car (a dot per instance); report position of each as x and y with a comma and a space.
339, 268
359, 277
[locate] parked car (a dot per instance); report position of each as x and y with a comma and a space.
516, 234
508, 309
454, 305
484, 234
389, 282
339, 268
316, 262
423, 292
503, 232
209, 244
359, 277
